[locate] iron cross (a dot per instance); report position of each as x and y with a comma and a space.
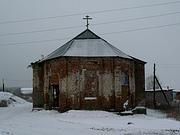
87, 18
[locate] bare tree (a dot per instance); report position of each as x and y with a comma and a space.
149, 83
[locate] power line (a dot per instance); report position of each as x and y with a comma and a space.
169, 66
93, 12
17, 80
39, 31
36, 41
138, 18
145, 28
174, 67
125, 31
72, 27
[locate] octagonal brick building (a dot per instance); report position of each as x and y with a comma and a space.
88, 73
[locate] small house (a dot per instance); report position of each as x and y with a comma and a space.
160, 99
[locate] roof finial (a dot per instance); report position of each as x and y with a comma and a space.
87, 18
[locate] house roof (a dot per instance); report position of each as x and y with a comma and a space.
87, 44
26, 90
164, 89
175, 90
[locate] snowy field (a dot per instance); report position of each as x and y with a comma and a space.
18, 119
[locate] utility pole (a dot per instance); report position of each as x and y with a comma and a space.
154, 86
162, 91
3, 84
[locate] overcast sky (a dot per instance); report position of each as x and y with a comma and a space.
161, 45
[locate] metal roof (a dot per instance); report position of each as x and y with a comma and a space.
87, 44
164, 89
87, 34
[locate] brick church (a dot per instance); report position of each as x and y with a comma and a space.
88, 73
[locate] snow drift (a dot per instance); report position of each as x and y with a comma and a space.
8, 99
21, 120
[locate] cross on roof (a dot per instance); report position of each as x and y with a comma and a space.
87, 18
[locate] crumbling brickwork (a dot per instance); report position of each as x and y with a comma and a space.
38, 86
99, 83
139, 83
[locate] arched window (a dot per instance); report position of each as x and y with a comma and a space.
124, 78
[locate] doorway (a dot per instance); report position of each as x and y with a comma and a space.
90, 89
55, 96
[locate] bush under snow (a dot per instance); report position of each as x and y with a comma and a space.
8, 99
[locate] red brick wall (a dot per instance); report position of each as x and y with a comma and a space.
139, 83
38, 83
82, 77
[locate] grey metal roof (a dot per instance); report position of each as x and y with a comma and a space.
87, 34
87, 44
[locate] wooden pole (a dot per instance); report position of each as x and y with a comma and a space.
154, 86
114, 93
162, 91
3, 84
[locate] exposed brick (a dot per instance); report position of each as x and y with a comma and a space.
80, 77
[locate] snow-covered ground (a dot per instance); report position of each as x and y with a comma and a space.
20, 120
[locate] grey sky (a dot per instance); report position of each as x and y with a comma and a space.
155, 45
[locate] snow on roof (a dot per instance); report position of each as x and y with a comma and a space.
176, 90
26, 90
87, 44
164, 89
93, 47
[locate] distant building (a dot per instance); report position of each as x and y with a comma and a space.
26, 90
88, 73
14, 90
159, 97
26, 93
176, 94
